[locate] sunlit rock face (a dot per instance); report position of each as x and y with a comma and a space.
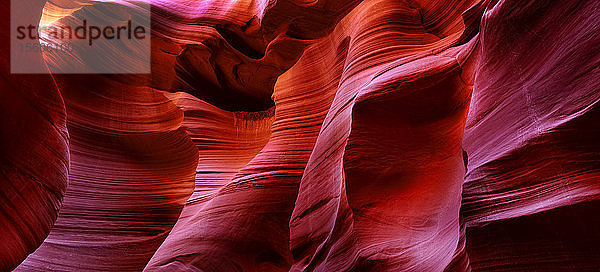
324, 135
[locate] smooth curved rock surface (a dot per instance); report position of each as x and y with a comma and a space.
531, 139
390, 148
529, 135
34, 157
132, 169
262, 192
325, 135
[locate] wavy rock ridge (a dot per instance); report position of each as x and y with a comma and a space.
324, 135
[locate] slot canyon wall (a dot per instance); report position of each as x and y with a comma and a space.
312, 135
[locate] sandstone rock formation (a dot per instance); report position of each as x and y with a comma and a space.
324, 135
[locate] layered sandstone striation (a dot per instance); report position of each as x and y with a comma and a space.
324, 135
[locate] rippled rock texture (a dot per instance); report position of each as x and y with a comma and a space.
325, 135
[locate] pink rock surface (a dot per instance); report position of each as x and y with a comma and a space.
324, 135
388, 149
34, 157
529, 135
129, 178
